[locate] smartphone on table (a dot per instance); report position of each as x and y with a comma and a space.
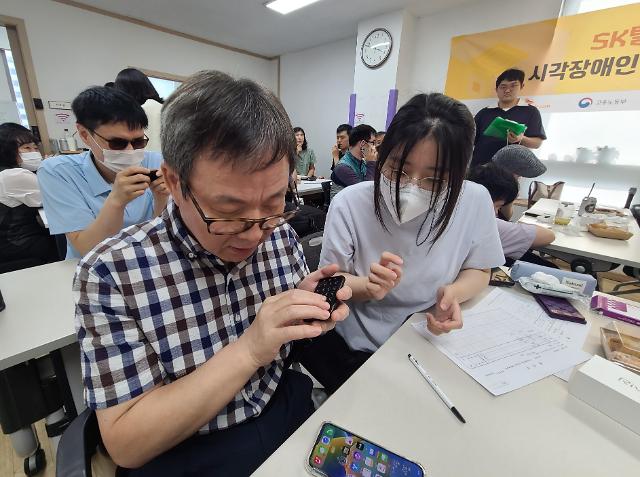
338, 452
500, 278
560, 308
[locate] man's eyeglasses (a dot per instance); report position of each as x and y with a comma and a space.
237, 226
428, 183
119, 144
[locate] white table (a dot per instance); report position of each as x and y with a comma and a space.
569, 244
39, 316
539, 430
311, 187
39, 319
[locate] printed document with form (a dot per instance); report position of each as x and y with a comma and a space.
508, 342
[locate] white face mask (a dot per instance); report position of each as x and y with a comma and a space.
414, 201
31, 160
119, 160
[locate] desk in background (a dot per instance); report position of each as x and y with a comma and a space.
534, 431
599, 252
311, 187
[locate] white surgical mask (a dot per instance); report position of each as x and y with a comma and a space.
119, 160
414, 201
31, 160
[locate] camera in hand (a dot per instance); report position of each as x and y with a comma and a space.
329, 287
153, 174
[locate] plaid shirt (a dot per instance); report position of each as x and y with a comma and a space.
152, 305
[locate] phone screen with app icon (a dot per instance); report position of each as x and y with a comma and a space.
340, 453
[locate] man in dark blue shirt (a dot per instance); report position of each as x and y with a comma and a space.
508, 87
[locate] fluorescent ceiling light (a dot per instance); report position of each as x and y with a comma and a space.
288, 6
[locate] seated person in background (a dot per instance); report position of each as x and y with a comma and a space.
419, 235
508, 87
93, 195
521, 162
21, 235
358, 163
516, 238
187, 372
342, 143
305, 157
308, 219
380, 138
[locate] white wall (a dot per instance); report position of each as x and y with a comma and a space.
372, 85
434, 32
74, 48
5, 89
315, 85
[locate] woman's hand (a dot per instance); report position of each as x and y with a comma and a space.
447, 315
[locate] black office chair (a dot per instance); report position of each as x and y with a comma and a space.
312, 246
77, 446
61, 245
326, 194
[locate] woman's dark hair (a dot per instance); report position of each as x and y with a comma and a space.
500, 183
100, 105
135, 83
12, 136
297, 130
451, 125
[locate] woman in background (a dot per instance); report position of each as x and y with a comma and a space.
21, 236
306, 160
135, 83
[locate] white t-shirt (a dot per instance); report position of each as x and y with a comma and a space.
152, 109
19, 186
516, 238
354, 238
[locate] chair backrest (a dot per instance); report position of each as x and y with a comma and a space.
630, 196
326, 195
61, 245
335, 188
312, 246
635, 211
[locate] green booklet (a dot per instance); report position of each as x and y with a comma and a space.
499, 127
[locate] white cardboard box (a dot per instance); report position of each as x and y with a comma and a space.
609, 388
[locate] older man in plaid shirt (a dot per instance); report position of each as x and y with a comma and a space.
185, 321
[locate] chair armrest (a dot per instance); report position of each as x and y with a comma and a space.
77, 445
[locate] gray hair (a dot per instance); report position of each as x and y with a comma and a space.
231, 120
